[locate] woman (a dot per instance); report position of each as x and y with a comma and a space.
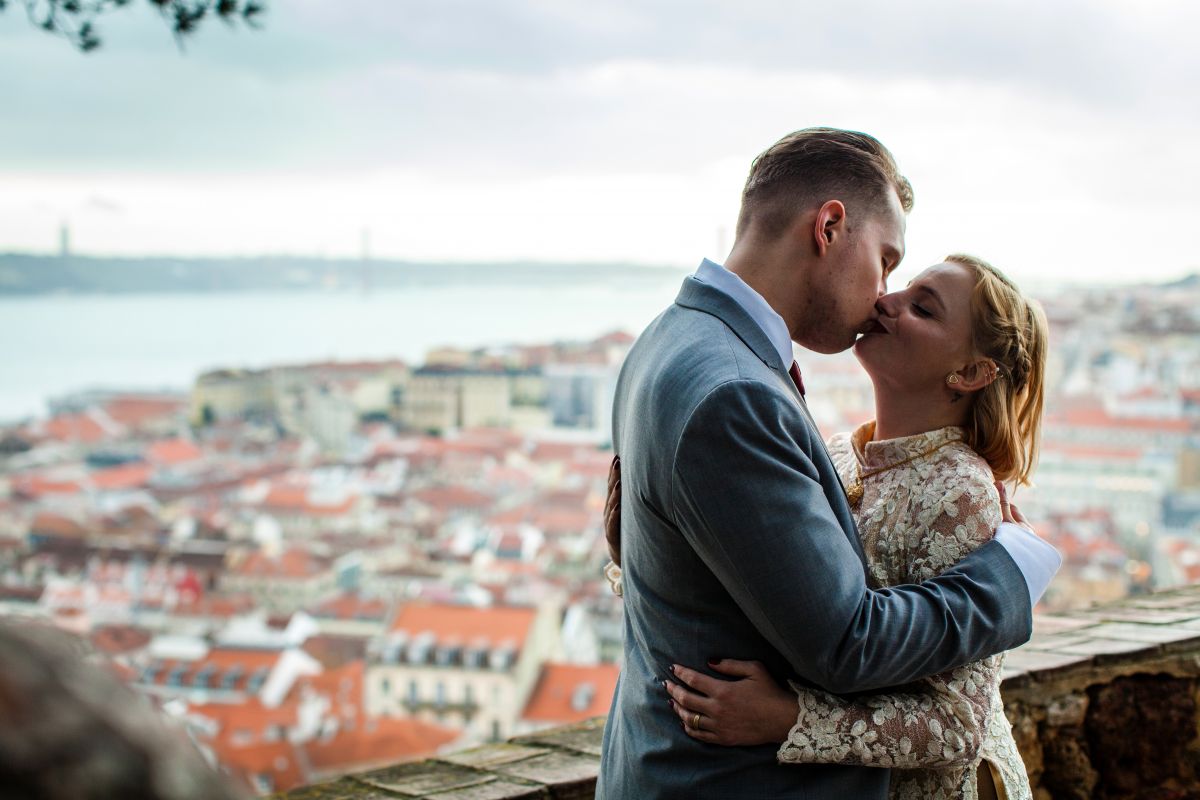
957, 361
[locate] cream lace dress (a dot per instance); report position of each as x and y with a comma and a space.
915, 521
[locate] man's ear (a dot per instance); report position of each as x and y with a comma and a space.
830, 225
976, 375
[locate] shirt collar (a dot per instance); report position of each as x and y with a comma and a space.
752, 303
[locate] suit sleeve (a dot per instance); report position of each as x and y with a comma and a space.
748, 497
936, 723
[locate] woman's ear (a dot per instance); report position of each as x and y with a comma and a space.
976, 375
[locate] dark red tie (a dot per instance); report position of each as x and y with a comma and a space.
796, 379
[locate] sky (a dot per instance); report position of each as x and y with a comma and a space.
1056, 138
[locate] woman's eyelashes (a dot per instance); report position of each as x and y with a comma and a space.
920, 310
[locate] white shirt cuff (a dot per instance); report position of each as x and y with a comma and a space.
1036, 558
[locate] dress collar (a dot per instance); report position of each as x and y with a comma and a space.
873, 455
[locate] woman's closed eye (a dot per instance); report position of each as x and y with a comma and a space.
920, 310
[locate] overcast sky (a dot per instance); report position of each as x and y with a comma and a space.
1056, 138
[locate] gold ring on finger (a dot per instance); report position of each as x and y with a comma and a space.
696, 720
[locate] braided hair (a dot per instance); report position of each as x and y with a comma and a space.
1005, 422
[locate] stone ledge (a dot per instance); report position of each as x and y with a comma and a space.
1090, 690
560, 764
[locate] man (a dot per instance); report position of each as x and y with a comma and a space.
737, 538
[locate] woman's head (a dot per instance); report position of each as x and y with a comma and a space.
962, 342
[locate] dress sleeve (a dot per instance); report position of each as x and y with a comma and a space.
613, 574
937, 722
940, 722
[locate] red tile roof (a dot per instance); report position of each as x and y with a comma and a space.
1097, 452
125, 476
567, 693
294, 563
617, 338
558, 451
335, 651
135, 411
47, 523
1092, 417
115, 639
216, 606
449, 498
221, 661
349, 606
173, 451
75, 428
557, 521
297, 499
464, 624
35, 486
376, 742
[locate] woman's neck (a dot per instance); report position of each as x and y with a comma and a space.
898, 415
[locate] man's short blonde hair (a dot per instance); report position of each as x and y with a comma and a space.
812, 166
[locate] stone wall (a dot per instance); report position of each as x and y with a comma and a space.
1103, 704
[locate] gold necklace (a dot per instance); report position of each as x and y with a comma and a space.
855, 493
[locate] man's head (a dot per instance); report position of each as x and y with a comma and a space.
821, 226
810, 166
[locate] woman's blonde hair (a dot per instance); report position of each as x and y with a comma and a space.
1005, 423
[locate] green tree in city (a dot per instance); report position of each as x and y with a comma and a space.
75, 20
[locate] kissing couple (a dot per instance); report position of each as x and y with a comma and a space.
824, 620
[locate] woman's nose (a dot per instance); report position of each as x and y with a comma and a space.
886, 306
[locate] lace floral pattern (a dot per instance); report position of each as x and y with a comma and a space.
915, 521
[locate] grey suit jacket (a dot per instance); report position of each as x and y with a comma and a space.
737, 542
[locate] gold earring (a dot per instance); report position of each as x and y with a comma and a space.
952, 379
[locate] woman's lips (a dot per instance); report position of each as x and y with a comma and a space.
874, 327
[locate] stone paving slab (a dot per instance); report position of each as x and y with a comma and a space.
1024, 661
494, 790
1144, 616
1058, 642
342, 789
1171, 599
492, 755
421, 778
1153, 634
583, 738
1047, 624
553, 768
1106, 647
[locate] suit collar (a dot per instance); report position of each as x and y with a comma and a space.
700, 296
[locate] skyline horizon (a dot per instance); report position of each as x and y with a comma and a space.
1165, 277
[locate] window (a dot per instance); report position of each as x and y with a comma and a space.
385, 686
412, 691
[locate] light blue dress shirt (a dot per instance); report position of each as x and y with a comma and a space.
1036, 558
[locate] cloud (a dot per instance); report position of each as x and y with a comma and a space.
552, 128
555, 83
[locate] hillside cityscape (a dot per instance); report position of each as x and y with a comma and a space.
326, 567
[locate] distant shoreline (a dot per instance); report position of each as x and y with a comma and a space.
31, 275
